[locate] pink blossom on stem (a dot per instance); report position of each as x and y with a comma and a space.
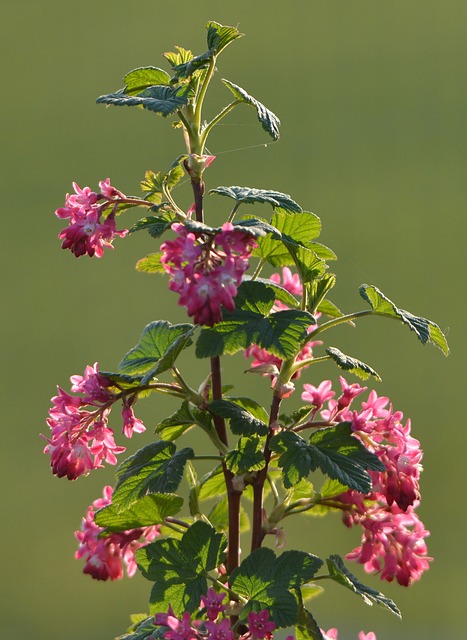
131, 424
317, 396
259, 624
89, 230
105, 558
213, 603
220, 630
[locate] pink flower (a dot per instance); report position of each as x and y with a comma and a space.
180, 629
220, 630
366, 636
131, 424
206, 270
213, 603
259, 624
317, 396
87, 233
106, 557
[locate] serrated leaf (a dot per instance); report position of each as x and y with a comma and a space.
151, 263
212, 484
158, 348
296, 417
183, 419
163, 100
359, 368
425, 330
247, 456
340, 574
179, 567
281, 294
198, 63
219, 36
142, 78
251, 406
307, 628
281, 333
266, 582
333, 450
269, 121
156, 468
178, 57
145, 512
331, 488
322, 251
249, 195
242, 422
154, 225
121, 381
318, 289
143, 630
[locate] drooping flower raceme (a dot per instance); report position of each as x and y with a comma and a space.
207, 269
91, 225
393, 542
81, 439
106, 557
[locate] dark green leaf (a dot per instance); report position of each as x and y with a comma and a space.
359, 368
266, 582
296, 417
163, 100
156, 468
122, 381
154, 225
334, 450
250, 405
142, 78
219, 36
145, 512
250, 195
242, 422
425, 330
179, 567
158, 348
248, 455
187, 69
183, 419
280, 293
340, 574
269, 121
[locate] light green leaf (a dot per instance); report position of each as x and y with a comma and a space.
142, 78
154, 225
307, 628
182, 420
219, 517
219, 36
143, 630
425, 330
150, 264
247, 456
145, 512
269, 121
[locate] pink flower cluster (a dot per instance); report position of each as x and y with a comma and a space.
206, 269
263, 361
259, 626
80, 436
87, 233
105, 557
393, 542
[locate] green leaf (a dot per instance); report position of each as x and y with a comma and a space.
318, 289
359, 368
154, 225
340, 574
212, 484
281, 333
144, 77
331, 489
323, 252
248, 455
280, 293
145, 512
425, 330
251, 406
159, 346
163, 100
242, 422
296, 417
179, 567
156, 468
269, 121
249, 195
307, 628
144, 630
182, 420
219, 517
334, 450
219, 36
328, 308
154, 184
150, 264
181, 56
266, 582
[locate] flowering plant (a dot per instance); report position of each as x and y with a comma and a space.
258, 286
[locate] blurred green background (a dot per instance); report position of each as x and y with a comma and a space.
372, 97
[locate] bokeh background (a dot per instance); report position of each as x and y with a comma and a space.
372, 97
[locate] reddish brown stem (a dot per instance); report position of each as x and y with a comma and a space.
258, 532
198, 191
